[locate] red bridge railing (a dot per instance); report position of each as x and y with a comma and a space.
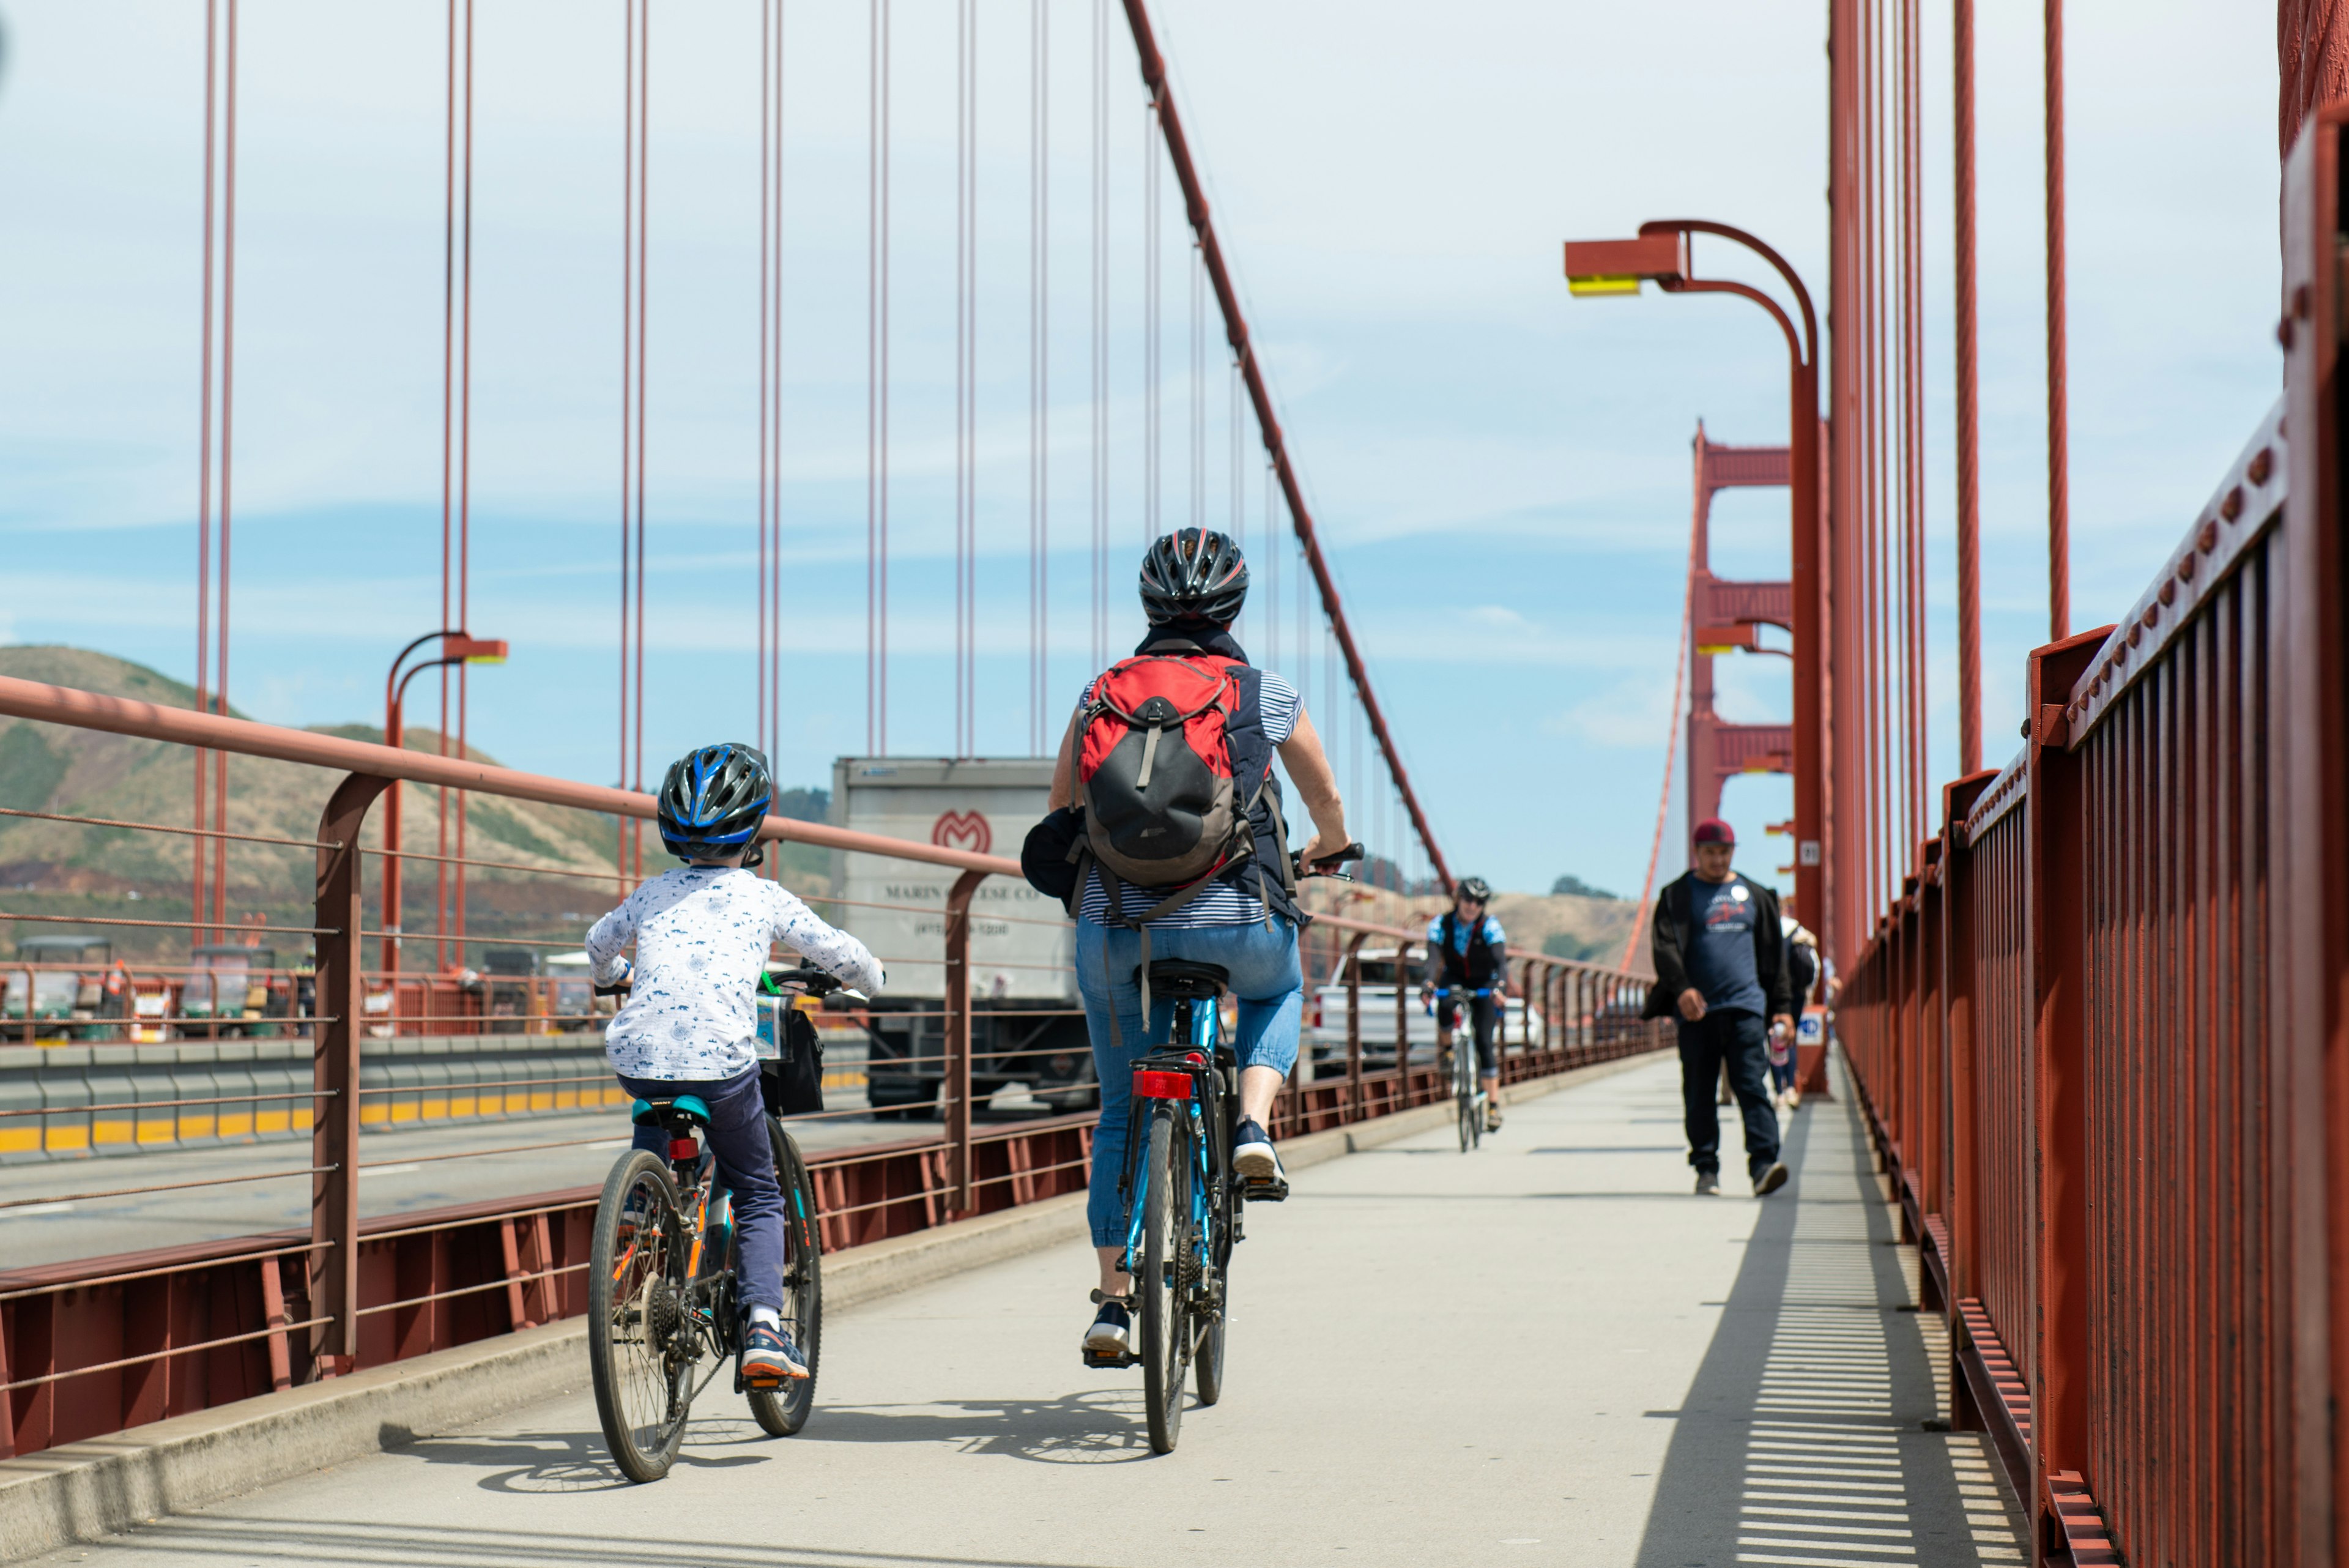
2100, 1037
94, 1346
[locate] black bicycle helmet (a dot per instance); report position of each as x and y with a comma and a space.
714, 799
1475, 887
1193, 574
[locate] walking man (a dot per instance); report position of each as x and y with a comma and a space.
1721, 971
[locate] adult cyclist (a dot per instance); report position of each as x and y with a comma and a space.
1467, 954
702, 932
1240, 915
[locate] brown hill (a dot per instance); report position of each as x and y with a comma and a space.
68, 871
1570, 926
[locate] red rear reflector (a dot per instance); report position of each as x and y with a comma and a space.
683, 1148
1154, 1085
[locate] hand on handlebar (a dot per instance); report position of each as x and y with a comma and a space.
1326, 865
619, 987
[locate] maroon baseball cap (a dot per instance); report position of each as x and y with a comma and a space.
1712, 830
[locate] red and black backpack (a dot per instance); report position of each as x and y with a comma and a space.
1154, 769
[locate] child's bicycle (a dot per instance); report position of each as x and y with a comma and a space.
662, 1297
1178, 1160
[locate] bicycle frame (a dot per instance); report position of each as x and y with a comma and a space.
1201, 1029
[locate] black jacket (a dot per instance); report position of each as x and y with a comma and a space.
1672, 940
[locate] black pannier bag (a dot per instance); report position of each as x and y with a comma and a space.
791, 1081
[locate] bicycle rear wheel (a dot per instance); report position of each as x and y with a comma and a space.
781, 1411
639, 1340
1163, 1292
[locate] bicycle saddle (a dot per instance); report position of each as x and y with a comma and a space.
1180, 978
659, 1112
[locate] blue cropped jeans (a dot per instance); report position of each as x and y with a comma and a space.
1266, 978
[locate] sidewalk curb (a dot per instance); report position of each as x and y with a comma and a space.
80, 1491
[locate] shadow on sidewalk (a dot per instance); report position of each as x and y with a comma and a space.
1801, 1439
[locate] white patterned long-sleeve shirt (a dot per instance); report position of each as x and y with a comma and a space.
702, 936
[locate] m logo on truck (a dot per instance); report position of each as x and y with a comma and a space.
962, 830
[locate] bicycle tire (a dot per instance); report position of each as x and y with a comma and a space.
781, 1412
634, 1310
1208, 1359
1162, 1293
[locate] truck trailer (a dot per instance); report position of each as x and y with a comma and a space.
1027, 1026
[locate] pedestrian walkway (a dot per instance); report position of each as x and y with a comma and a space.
1545, 1352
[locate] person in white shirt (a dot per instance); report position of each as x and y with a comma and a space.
702, 934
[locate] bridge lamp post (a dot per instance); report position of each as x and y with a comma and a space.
456, 647
1660, 255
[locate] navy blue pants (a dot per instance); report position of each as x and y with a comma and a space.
746, 1165
1742, 1040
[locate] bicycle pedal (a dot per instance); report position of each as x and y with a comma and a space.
1103, 1361
1272, 1191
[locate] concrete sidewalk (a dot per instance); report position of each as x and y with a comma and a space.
1547, 1351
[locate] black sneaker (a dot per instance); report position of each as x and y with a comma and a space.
1708, 1184
1765, 1182
1113, 1330
1253, 1156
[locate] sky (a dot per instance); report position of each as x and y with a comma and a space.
1500, 474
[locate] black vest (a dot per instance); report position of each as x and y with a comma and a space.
1476, 968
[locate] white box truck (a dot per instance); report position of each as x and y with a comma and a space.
1027, 1024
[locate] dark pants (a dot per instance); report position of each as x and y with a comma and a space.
1482, 1016
746, 1165
1742, 1040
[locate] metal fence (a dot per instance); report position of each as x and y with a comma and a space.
2100, 1038
93, 1345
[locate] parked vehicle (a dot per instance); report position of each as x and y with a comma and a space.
1027, 1024
1325, 1017
64, 978
230, 989
572, 1005
510, 975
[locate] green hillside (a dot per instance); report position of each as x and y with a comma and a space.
78, 870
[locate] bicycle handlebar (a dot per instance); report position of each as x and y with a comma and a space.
1327, 865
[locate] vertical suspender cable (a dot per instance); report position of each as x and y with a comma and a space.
441, 803
624, 827
962, 379
1099, 404
1039, 360
644, 307
227, 470
2059, 484
1918, 714
1198, 379
766, 262
196, 847
464, 475
775, 427
877, 383
1153, 425
1970, 738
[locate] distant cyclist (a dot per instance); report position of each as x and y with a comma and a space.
1182, 848
690, 1023
1468, 956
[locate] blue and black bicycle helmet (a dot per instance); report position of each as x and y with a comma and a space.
1193, 574
713, 800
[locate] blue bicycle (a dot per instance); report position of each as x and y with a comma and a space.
1179, 1163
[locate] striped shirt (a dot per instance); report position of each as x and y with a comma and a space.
1219, 903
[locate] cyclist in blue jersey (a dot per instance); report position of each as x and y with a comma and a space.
1240, 914
1468, 955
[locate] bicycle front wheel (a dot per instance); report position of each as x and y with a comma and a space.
640, 1339
781, 1411
1163, 1292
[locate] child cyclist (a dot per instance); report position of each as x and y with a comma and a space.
689, 1026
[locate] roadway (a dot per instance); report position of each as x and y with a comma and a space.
401, 1171
1547, 1352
